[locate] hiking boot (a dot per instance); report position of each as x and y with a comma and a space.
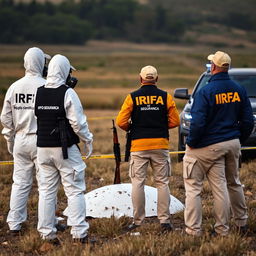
131, 227
213, 233
242, 230
54, 241
61, 227
166, 227
14, 232
83, 240
195, 233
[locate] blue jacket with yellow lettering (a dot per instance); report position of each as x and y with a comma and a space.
221, 111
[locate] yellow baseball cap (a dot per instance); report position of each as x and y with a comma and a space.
220, 59
148, 73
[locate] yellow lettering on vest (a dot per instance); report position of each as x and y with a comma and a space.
219, 98
160, 100
224, 98
230, 96
216, 99
137, 101
149, 100
152, 99
143, 100
236, 97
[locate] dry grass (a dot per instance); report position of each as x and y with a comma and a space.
107, 73
111, 98
108, 232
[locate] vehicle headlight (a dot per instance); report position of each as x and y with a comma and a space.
186, 119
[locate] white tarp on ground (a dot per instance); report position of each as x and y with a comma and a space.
116, 200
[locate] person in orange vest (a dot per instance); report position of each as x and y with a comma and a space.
149, 113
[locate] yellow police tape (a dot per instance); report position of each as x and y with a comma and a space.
83, 157
111, 156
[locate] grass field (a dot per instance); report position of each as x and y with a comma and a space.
106, 73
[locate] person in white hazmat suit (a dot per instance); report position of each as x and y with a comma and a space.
19, 130
61, 123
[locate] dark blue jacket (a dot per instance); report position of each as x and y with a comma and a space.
221, 111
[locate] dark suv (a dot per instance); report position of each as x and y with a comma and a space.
244, 76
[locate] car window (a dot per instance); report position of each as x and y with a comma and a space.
248, 82
203, 81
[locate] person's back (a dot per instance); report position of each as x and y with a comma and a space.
19, 130
61, 123
152, 113
18, 109
228, 109
149, 116
221, 119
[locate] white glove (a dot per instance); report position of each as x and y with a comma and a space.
88, 148
10, 145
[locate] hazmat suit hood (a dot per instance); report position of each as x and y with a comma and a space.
58, 71
34, 60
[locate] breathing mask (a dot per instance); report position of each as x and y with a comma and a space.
46, 62
71, 81
45, 71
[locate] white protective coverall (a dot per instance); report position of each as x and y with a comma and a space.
19, 130
53, 168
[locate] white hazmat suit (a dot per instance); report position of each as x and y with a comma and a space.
53, 168
19, 130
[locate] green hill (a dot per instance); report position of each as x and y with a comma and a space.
229, 22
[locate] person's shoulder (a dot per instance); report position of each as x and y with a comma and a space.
15, 84
41, 87
236, 84
205, 89
29, 80
41, 80
135, 92
161, 90
237, 87
70, 92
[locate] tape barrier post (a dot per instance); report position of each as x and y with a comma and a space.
111, 156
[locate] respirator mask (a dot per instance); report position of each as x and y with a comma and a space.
46, 62
45, 71
71, 81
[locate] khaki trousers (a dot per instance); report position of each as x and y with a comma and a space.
219, 163
159, 160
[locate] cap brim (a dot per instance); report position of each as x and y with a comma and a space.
72, 68
47, 56
210, 57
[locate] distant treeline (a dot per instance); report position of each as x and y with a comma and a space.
75, 22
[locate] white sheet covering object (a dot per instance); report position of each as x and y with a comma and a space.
116, 200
